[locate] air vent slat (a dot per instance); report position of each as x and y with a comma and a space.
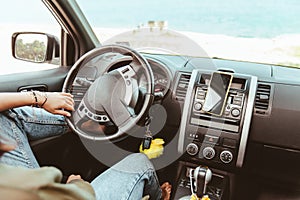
262, 99
182, 86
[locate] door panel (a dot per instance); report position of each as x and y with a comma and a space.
49, 80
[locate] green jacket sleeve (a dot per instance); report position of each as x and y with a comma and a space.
77, 190
44, 182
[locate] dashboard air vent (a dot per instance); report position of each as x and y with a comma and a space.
182, 86
262, 99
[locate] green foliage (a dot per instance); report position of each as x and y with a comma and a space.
34, 51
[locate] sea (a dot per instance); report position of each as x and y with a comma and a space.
237, 18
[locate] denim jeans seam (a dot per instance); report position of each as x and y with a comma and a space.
20, 145
50, 122
148, 171
33, 119
156, 180
135, 181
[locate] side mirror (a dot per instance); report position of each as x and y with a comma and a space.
35, 47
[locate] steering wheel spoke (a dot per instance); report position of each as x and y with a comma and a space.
131, 85
84, 111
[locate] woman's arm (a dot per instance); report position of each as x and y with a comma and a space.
13, 100
56, 102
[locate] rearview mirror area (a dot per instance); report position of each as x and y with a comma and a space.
35, 47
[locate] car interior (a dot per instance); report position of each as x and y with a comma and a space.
230, 128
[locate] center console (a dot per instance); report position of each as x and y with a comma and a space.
217, 138
214, 126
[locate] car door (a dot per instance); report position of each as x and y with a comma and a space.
50, 19
57, 19
17, 75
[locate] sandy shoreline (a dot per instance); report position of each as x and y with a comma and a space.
284, 49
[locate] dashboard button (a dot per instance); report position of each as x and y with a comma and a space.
97, 118
197, 106
192, 149
211, 139
208, 153
235, 112
238, 98
226, 156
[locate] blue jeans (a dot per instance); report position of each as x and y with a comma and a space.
130, 179
28, 124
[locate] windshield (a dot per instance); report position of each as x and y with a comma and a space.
258, 31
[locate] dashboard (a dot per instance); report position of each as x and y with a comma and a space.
259, 119
257, 132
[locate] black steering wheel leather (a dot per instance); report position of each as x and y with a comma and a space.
109, 92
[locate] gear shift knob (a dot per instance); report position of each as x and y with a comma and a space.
201, 176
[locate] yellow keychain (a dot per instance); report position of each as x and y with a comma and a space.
155, 149
194, 197
205, 197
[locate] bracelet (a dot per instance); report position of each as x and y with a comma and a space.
35, 103
36, 95
46, 98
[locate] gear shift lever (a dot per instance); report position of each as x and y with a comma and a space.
200, 177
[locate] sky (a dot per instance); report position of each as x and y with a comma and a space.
14, 11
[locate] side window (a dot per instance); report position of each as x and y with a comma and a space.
24, 16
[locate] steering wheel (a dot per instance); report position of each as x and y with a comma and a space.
113, 88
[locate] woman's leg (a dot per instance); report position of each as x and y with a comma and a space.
26, 123
130, 179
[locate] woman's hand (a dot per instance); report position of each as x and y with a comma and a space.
73, 178
59, 103
6, 144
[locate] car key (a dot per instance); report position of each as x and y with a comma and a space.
147, 142
148, 135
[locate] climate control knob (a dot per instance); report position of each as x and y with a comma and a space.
192, 149
226, 156
208, 153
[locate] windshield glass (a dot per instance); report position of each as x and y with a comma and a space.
258, 31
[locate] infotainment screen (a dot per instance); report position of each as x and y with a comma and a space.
217, 93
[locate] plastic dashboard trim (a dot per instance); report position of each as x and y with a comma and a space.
247, 121
186, 108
